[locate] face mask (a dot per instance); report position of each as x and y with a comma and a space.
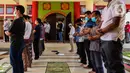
105, 0
93, 19
14, 13
86, 18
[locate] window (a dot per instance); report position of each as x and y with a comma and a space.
10, 9
1, 9
29, 9
83, 9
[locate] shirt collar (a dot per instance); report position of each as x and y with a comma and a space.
113, 2
109, 4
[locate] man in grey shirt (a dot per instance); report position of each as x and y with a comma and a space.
6, 26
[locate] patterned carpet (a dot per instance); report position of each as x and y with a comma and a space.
57, 67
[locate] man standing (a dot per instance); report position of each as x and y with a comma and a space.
71, 37
112, 33
16, 31
82, 53
27, 58
89, 24
60, 31
6, 26
47, 30
127, 32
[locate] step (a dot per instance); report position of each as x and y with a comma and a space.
57, 60
3, 52
53, 54
59, 57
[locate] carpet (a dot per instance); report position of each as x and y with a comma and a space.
57, 67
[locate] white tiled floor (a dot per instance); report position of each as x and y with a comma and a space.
39, 66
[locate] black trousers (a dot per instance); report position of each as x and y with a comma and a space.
112, 56
82, 53
16, 48
77, 45
86, 47
6, 38
96, 59
41, 47
127, 37
36, 48
47, 36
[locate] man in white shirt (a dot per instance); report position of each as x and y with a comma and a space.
27, 54
47, 30
6, 26
112, 33
71, 37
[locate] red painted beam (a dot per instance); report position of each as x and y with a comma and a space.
76, 10
34, 11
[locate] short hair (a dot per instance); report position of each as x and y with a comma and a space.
88, 12
25, 17
20, 8
97, 13
79, 20
28, 17
39, 20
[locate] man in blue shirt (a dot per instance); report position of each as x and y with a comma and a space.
89, 24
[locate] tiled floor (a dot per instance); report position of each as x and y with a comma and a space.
72, 60
39, 66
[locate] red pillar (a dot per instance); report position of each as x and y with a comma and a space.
76, 10
34, 11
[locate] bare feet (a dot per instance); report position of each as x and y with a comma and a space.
81, 64
86, 67
71, 50
92, 72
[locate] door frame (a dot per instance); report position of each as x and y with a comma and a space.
54, 12
51, 12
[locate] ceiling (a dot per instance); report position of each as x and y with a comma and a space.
57, 0
95, 1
